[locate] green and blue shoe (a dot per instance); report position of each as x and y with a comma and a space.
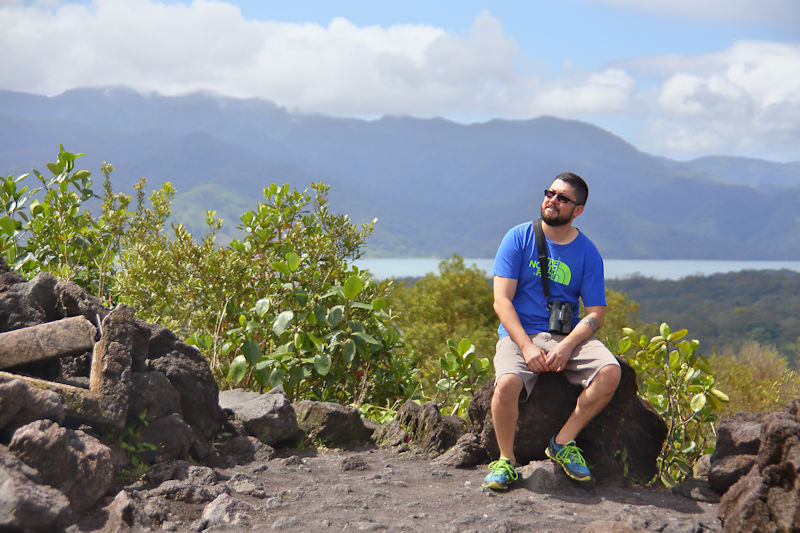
501, 475
570, 458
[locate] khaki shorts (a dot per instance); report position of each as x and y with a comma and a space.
584, 364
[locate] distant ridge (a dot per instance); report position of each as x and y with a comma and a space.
437, 187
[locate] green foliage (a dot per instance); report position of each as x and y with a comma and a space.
378, 414
757, 379
621, 312
726, 310
679, 384
455, 304
174, 280
280, 307
47, 228
129, 440
462, 374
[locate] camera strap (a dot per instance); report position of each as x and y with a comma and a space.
544, 263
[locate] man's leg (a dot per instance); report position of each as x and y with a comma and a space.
505, 410
562, 448
591, 401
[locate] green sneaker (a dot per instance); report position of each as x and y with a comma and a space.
501, 475
570, 458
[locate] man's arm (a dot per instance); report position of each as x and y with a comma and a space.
504, 290
557, 357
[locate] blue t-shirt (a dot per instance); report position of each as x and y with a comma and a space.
575, 270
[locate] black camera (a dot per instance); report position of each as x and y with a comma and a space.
560, 317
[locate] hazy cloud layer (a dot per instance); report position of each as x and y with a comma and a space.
745, 99
784, 13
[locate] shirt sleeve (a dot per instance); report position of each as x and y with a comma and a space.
509, 256
593, 288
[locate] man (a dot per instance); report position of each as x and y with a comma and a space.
526, 347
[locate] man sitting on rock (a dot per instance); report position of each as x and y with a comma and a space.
530, 343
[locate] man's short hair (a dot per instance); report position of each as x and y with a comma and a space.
577, 183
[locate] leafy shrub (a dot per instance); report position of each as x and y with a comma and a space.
48, 228
462, 375
455, 304
280, 307
679, 384
757, 379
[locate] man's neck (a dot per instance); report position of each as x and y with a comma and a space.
560, 234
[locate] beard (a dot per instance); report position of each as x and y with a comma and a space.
559, 219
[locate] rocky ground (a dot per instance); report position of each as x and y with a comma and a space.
383, 489
58, 457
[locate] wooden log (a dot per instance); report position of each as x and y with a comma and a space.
68, 336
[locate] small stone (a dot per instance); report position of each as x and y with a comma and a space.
355, 462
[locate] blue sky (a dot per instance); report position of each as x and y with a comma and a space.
679, 78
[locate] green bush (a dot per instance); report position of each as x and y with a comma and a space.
455, 304
676, 379
280, 306
757, 379
462, 375
47, 228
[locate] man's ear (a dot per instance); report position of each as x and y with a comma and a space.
578, 210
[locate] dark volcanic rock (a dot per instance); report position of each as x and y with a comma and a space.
26, 504
757, 463
269, 417
331, 424
423, 427
21, 402
188, 371
627, 428
135, 371
77, 464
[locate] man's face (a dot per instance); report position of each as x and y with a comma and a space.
556, 212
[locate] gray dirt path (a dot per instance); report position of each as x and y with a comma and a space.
383, 490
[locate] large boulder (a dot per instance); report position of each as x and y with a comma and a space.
757, 463
26, 503
738, 442
75, 463
189, 373
331, 424
170, 438
74, 301
21, 403
24, 304
269, 417
423, 427
626, 436
152, 395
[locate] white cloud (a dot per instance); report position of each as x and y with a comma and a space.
341, 69
744, 98
609, 91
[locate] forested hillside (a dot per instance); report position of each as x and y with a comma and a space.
436, 187
725, 310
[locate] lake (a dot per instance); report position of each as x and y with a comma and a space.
615, 268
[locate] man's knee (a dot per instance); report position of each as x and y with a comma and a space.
614, 372
508, 387
608, 378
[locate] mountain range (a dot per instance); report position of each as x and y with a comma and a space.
436, 187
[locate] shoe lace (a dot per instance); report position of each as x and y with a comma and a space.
571, 453
496, 467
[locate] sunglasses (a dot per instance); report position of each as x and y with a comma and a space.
560, 197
